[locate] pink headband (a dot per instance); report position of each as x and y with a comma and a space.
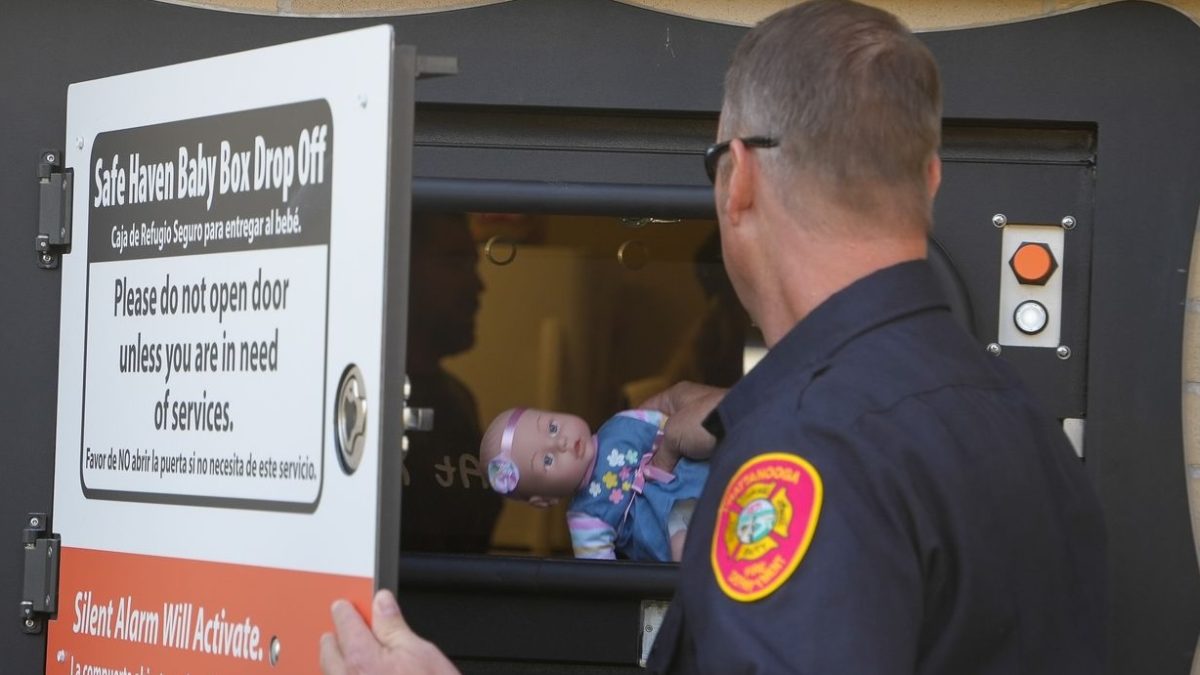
503, 473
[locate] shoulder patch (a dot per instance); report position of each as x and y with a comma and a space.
766, 521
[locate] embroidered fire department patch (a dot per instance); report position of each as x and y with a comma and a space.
766, 521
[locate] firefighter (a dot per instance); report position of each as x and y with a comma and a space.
884, 497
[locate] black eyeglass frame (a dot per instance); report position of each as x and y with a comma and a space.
712, 154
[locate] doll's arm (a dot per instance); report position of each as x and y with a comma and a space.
591, 537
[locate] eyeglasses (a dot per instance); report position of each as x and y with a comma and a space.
712, 155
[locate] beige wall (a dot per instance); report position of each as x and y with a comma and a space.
334, 7
920, 14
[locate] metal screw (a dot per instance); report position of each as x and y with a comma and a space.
50, 552
34, 522
1068, 222
46, 260
47, 601
29, 623
649, 629
62, 656
999, 220
79, 142
362, 100
276, 647
993, 349
50, 157
1063, 352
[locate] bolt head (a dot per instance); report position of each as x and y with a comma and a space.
1068, 222
34, 522
50, 157
1027, 260
1063, 352
999, 220
46, 259
993, 349
29, 623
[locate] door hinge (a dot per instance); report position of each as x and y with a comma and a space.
436, 66
55, 189
39, 597
415, 419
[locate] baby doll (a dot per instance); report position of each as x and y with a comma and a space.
620, 502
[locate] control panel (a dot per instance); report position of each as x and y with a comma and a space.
1031, 274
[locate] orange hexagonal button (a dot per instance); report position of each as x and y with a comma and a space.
1033, 263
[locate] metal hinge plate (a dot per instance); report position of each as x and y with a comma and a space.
39, 595
415, 419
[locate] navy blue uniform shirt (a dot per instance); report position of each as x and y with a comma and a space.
958, 532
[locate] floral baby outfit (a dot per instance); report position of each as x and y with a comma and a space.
625, 505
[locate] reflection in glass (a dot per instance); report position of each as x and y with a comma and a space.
566, 325
446, 504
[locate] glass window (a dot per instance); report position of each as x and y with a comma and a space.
588, 315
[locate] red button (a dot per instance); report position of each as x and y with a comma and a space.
1033, 263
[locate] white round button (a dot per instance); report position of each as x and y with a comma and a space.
1031, 317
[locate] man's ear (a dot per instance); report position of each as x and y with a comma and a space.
933, 175
744, 179
542, 502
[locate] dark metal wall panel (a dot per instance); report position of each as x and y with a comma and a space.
540, 611
537, 628
1128, 68
1031, 193
573, 146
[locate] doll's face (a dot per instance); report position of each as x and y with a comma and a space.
553, 451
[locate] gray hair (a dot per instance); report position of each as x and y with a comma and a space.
851, 94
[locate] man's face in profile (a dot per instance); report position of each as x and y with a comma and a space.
445, 284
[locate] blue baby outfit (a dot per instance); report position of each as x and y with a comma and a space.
625, 505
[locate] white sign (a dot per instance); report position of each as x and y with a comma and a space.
228, 266
206, 312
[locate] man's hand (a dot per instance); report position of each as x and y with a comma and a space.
389, 647
686, 404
